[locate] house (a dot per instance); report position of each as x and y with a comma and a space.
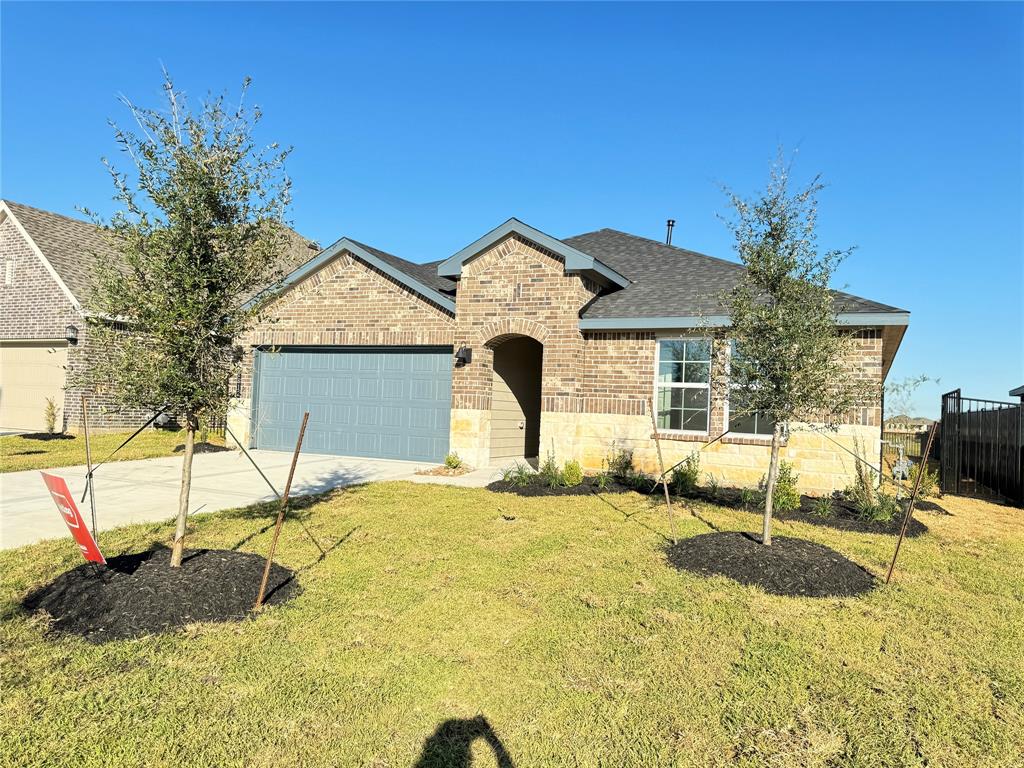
905, 423
47, 262
521, 344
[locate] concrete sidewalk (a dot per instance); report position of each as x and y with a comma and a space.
147, 490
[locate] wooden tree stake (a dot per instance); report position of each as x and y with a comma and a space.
280, 515
913, 500
88, 466
664, 480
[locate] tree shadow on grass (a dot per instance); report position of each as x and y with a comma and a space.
450, 745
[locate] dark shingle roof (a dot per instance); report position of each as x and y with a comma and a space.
668, 281
424, 273
73, 246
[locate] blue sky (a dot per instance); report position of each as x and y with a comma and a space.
417, 128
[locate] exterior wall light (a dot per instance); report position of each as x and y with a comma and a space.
464, 356
71, 334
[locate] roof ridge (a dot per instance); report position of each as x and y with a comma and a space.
35, 209
651, 240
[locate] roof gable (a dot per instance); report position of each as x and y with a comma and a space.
575, 260
420, 278
71, 248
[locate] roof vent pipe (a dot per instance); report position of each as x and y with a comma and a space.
668, 234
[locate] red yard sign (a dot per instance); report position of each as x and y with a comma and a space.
66, 505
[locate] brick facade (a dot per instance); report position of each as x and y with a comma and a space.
345, 303
35, 307
596, 387
517, 288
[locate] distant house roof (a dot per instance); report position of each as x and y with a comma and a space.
73, 246
913, 421
1018, 392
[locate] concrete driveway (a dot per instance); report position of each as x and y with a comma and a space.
147, 490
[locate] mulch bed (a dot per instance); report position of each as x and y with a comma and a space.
140, 594
444, 471
540, 488
202, 448
790, 567
844, 516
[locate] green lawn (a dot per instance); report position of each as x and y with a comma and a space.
18, 452
563, 627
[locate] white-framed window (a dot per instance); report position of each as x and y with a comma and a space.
682, 384
740, 423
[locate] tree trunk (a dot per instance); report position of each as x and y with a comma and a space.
773, 475
186, 485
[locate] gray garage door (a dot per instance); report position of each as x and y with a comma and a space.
389, 403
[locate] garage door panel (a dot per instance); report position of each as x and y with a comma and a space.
388, 403
342, 388
30, 373
319, 387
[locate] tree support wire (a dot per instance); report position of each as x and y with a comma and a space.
136, 433
271, 486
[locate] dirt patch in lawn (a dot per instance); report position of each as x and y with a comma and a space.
791, 567
140, 594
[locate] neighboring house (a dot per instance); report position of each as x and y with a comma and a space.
521, 344
47, 263
1018, 392
906, 423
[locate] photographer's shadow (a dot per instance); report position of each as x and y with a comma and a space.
450, 745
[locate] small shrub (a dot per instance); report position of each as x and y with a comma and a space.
929, 481
712, 485
518, 474
872, 504
748, 498
786, 497
686, 475
620, 463
638, 481
883, 510
452, 461
602, 480
549, 472
50, 415
822, 507
572, 474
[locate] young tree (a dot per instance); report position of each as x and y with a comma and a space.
201, 231
793, 358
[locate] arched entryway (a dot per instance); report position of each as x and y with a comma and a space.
515, 399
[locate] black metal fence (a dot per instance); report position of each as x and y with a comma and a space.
982, 447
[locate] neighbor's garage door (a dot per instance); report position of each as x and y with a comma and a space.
389, 403
31, 372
